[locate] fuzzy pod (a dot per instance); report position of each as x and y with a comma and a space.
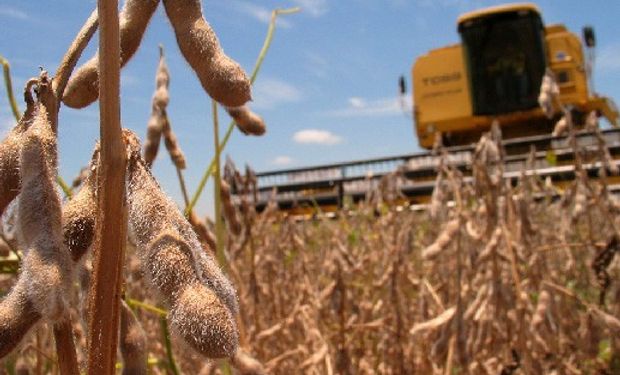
10, 149
205, 322
540, 314
79, 216
172, 144
560, 127
80, 178
549, 90
151, 212
474, 306
132, 343
247, 121
612, 322
9, 168
83, 87
435, 323
580, 200
197, 314
491, 246
154, 128
246, 364
47, 266
161, 97
438, 197
17, 316
473, 231
186, 277
443, 240
221, 77
230, 214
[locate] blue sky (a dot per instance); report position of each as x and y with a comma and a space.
327, 89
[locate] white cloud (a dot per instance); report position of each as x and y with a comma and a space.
269, 93
358, 106
316, 136
283, 160
609, 58
316, 64
315, 8
259, 13
13, 13
356, 102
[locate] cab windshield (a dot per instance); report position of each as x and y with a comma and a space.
506, 61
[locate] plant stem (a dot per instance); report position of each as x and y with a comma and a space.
272, 26
146, 306
208, 171
105, 291
183, 187
65, 347
172, 365
231, 125
65, 188
73, 54
219, 223
9, 88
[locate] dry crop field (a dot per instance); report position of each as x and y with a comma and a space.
494, 277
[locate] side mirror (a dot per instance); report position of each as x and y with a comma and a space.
588, 36
402, 85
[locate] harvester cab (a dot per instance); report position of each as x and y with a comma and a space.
495, 73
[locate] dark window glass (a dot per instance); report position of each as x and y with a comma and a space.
506, 61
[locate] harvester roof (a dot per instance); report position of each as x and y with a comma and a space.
505, 8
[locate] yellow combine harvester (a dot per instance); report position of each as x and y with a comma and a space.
495, 73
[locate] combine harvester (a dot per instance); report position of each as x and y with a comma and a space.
493, 76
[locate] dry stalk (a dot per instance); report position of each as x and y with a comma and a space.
105, 289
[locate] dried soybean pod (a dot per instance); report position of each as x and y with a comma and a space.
204, 322
229, 209
197, 314
17, 316
80, 214
80, 178
200, 297
540, 314
46, 267
221, 77
247, 121
246, 364
83, 87
162, 81
172, 144
151, 212
153, 136
443, 240
9, 153
161, 97
132, 343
